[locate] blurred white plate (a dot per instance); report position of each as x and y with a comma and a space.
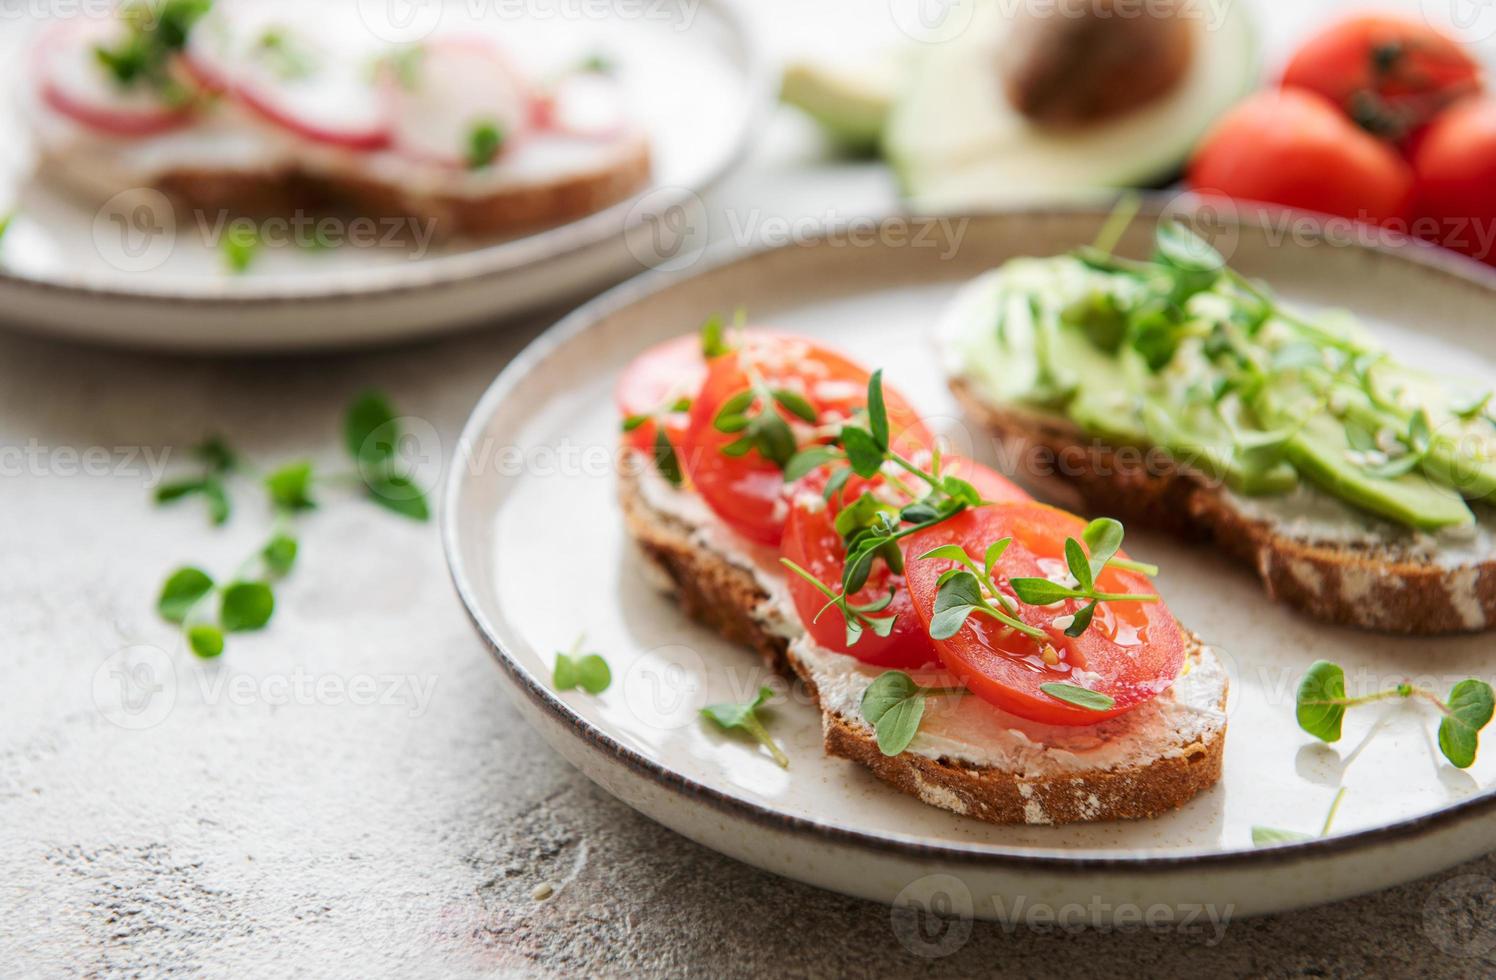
538, 552
124, 274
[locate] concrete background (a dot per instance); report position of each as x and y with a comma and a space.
349, 793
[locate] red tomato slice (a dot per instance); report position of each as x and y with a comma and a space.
1132, 652
653, 381
811, 541
748, 491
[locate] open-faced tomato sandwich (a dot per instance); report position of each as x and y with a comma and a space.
265, 107
988, 654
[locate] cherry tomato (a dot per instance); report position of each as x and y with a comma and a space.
1293, 147
1455, 165
1389, 74
812, 542
742, 486
652, 384
1131, 653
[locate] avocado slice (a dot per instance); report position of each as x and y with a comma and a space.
850, 102
955, 142
1462, 453
1321, 450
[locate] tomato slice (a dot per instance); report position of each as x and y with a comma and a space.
748, 491
653, 382
812, 542
1132, 652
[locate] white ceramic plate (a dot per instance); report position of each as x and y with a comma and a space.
130, 273
538, 553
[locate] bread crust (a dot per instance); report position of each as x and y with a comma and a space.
508, 210
724, 597
1373, 589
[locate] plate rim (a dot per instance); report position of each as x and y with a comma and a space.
596, 230
1425, 256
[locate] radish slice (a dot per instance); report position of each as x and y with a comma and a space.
444, 91
589, 105
75, 84
297, 70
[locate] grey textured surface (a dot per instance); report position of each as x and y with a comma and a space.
350, 794
259, 825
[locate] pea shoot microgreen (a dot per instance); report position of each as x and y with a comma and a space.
245, 603
1269, 836
484, 141
153, 32
371, 432
1322, 702
1081, 697
575, 669
894, 705
745, 717
757, 416
1102, 538
240, 246
857, 618
217, 462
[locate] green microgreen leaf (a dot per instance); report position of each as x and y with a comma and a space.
398, 494
240, 246
1321, 702
370, 429
1079, 565
215, 454
806, 461
1469, 710
796, 404
877, 411
995, 551
1082, 620
167, 492
863, 451
484, 141
632, 422
280, 554
205, 640
1079, 696
893, 704
246, 606
575, 669
665, 459
1042, 592
745, 717
958, 597
182, 591
1103, 539
290, 487
713, 337
1183, 249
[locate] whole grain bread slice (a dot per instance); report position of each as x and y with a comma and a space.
1388, 586
730, 599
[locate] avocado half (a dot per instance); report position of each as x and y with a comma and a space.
955, 142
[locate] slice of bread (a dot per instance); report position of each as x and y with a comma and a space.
970, 758
235, 164
1341, 567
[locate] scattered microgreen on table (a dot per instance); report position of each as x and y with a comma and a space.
894, 705
745, 717
246, 602
1322, 702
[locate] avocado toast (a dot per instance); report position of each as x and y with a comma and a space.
1176, 393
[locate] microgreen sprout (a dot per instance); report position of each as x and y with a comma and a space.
575, 669
1322, 702
745, 717
245, 603
484, 141
371, 432
218, 462
1268, 836
894, 705
1103, 539
857, 618
970, 588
